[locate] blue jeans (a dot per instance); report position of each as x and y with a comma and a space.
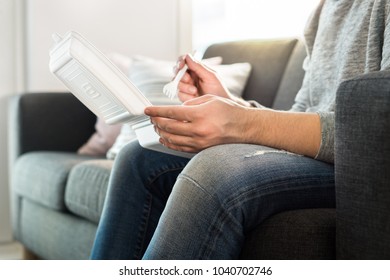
163, 207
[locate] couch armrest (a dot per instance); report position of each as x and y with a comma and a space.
48, 121
362, 166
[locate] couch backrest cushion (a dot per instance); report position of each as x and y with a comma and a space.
292, 79
269, 59
49, 121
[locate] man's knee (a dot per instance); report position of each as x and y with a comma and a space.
211, 170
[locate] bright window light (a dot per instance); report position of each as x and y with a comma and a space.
226, 20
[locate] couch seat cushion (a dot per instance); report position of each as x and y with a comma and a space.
86, 188
42, 176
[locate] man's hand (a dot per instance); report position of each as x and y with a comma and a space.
200, 123
201, 80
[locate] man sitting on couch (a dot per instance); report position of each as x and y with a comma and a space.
252, 162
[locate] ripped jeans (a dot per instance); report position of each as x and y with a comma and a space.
163, 207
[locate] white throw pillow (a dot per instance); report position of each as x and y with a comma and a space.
234, 76
150, 76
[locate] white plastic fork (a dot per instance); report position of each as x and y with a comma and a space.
171, 88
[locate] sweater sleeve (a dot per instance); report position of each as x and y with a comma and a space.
385, 64
326, 151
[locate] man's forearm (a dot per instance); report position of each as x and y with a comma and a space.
295, 132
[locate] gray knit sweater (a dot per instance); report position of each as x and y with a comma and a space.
344, 38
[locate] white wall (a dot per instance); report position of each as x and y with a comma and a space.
228, 20
147, 27
8, 85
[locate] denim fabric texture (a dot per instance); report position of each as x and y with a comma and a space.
222, 193
139, 187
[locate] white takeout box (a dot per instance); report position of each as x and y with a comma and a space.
103, 88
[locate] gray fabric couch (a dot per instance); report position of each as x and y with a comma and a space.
58, 195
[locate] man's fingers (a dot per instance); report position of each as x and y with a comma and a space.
163, 125
178, 112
